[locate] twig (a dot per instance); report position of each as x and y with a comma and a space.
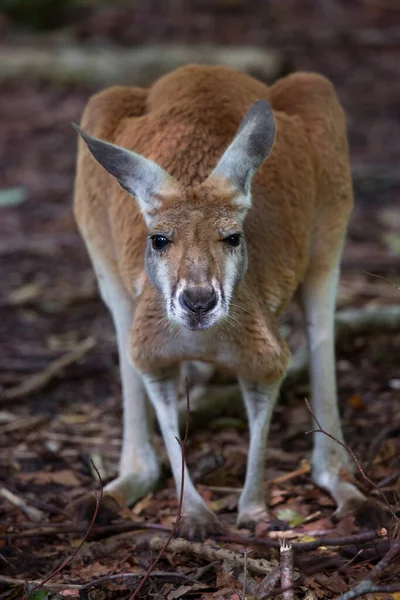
372, 589
161, 574
384, 279
302, 470
34, 514
99, 580
251, 583
98, 531
127, 527
350, 540
38, 381
286, 564
212, 553
99, 497
29, 583
366, 586
354, 457
244, 576
389, 480
378, 441
266, 585
137, 66
179, 515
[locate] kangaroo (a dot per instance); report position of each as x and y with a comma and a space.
212, 201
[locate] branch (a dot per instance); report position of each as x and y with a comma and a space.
38, 381
126, 527
136, 66
349, 540
34, 514
383, 278
179, 515
212, 553
95, 582
366, 586
98, 531
266, 585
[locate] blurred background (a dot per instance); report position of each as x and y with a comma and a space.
53, 55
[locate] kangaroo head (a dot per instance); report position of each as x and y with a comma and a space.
196, 249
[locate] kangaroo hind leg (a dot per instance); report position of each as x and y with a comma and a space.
138, 470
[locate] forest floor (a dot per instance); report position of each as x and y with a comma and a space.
49, 305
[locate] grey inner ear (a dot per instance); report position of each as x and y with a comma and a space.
250, 147
136, 174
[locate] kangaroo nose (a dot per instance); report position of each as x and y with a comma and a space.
198, 299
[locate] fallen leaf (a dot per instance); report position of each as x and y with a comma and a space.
63, 477
25, 293
291, 517
142, 504
355, 401
38, 595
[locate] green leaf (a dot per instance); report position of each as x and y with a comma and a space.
291, 517
38, 595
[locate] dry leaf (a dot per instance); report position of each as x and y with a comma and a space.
63, 477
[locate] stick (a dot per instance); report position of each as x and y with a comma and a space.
34, 514
99, 531
179, 515
38, 381
99, 497
211, 553
350, 540
302, 470
366, 586
244, 576
136, 66
266, 585
95, 582
127, 527
384, 279
286, 564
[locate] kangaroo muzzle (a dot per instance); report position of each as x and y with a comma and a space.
198, 299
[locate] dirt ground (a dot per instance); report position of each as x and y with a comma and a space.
49, 304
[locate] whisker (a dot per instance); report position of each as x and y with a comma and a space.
237, 306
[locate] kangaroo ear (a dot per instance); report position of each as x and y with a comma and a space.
137, 175
250, 147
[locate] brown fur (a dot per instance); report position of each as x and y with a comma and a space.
301, 200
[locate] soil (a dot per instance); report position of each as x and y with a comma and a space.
49, 303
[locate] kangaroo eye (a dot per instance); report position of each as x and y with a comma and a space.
233, 240
159, 242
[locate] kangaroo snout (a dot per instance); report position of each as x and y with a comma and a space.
198, 299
